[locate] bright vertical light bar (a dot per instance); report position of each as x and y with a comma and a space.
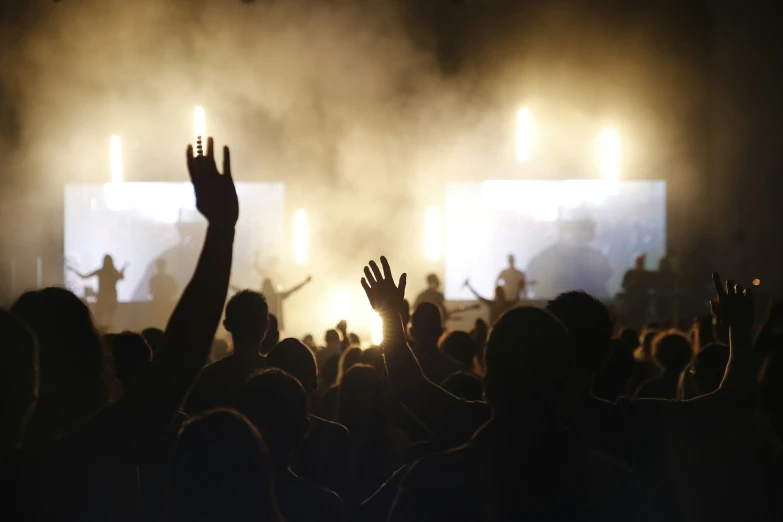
432, 239
115, 152
376, 328
525, 132
609, 154
199, 123
300, 236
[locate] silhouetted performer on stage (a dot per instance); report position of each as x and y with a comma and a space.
163, 287
512, 280
637, 283
432, 294
106, 303
496, 306
275, 298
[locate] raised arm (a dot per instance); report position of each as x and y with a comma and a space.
122, 271
83, 276
191, 328
424, 399
298, 287
473, 291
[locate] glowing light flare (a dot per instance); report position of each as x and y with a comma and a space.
526, 128
608, 151
376, 328
199, 123
756, 282
301, 236
432, 234
115, 155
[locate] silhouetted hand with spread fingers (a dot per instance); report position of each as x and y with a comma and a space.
732, 306
383, 294
216, 196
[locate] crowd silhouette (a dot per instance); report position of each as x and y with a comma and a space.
545, 414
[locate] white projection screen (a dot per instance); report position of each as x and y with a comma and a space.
141, 223
565, 235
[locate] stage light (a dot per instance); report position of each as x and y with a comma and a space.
609, 154
376, 328
432, 239
115, 153
300, 236
756, 282
200, 123
525, 132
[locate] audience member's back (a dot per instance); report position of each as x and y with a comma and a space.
673, 351
611, 381
219, 382
276, 404
523, 464
460, 346
221, 472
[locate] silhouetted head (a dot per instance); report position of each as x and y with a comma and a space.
247, 318
648, 336
272, 335
131, 354
77, 376
354, 339
220, 471
500, 294
108, 261
528, 359
590, 324
708, 367
309, 341
511, 260
426, 325
276, 404
154, 338
464, 385
433, 283
349, 358
611, 380
630, 337
640, 261
160, 266
665, 264
361, 403
292, 356
672, 350
460, 346
372, 356
332, 337
18, 378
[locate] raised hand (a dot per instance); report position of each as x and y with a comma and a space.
732, 306
216, 196
383, 294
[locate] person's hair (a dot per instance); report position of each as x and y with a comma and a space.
590, 324
247, 316
464, 385
332, 336
673, 350
708, 367
131, 353
432, 280
154, 338
75, 365
276, 403
373, 357
292, 356
18, 375
611, 381
220, 471
460, 346
348, 358
427, 323
528, 357
354, 339
630, 337
361, 401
